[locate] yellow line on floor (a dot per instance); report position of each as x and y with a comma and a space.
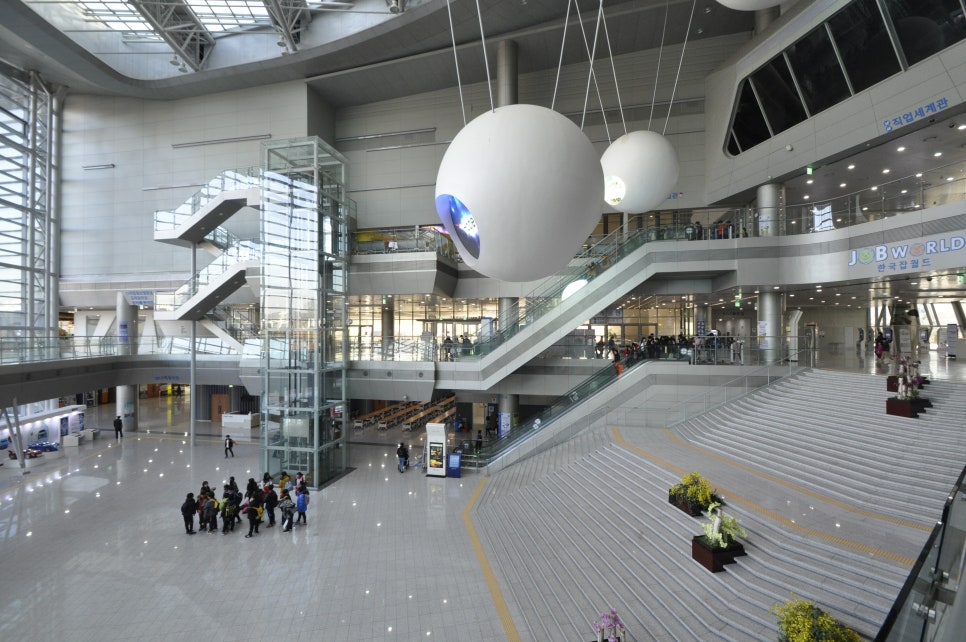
841, 541
512, 635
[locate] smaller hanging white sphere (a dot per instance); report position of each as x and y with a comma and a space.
640, 169
748, 5
519, 192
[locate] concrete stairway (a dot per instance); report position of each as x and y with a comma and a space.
586, 527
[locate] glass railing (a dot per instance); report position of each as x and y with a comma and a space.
17, 350
240, 252
784, 365
228, 180
725, 351
926, 607
403, 240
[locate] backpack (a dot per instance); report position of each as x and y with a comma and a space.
228, 508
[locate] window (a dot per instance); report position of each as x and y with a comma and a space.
864, 44
818, 71
925, 27
778, 95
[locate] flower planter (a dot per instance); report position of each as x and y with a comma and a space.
714, 559
909, 408
691, 509
892, 383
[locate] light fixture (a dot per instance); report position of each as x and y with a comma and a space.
805, 197
885, 171
104, 166
937, 154
174, 61
900, 149
183, 69
851, 166
809, 181
842, 185
395, 6
640, 169
961, 127
874, 188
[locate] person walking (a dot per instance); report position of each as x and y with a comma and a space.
479, 440
229, 446
188, 512
118, 428
402, 454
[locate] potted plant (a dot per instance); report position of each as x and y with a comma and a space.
801, 621
693, 495
609, 628
719, 545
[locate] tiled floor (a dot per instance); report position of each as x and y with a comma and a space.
93, 546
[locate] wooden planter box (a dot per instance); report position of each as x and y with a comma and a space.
892, 383
906, 407
691, 509
714, 559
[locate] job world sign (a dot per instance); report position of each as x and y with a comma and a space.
899, 257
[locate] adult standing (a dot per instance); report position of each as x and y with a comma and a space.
118, 428
402, 455
229, 446
188, 512
271, 501
301, 503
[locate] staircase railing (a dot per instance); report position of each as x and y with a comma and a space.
242, 251
227, 180
548, 419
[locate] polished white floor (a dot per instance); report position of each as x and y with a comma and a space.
92, 545
93, 548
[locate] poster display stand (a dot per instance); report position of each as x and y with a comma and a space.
436, 450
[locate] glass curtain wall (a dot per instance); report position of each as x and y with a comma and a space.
305, 220
28, 252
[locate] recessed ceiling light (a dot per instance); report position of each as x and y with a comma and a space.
805, 197
904, 191
961, 127
874, 188
809, 181
900, 149
842, 185
937, 154
949, 178
865, 209
885, 171
919, 175
774, 287
851, 166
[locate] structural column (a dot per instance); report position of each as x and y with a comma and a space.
126, 396
388, 330
507, 77
769, 203
770, 306
508, 414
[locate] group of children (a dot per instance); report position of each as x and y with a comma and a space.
257, 501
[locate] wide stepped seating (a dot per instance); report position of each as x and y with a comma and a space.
586, 526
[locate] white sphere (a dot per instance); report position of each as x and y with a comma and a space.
640, 169
519, 191
748, 5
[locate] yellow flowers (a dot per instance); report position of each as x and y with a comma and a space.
801, 621
696, 490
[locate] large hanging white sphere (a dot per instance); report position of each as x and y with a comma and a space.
519, 191
748, 5
640, 169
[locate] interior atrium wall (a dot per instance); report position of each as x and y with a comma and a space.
108, 213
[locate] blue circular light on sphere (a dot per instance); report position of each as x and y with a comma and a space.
454, 214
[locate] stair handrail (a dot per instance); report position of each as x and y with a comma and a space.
787, 366
244, 250
229, 179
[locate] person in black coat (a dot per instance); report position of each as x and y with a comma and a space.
271, 501
188, 509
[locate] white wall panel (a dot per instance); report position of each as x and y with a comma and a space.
108, 215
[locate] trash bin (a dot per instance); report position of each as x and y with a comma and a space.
453, 464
